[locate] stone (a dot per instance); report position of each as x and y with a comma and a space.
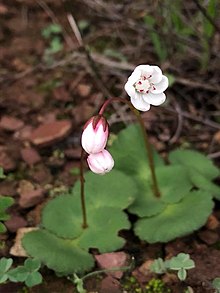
61, 94
110, 285
29, 195
84, 89
30, 156
112, 260
6, 162
208, 236
11, 123
15, 222
17, 249
47, 134
212, 223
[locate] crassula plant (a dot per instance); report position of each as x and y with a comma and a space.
169, 200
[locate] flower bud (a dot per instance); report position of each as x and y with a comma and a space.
101, 162
95, 135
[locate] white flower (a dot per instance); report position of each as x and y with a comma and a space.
95, 135
100, 163
145, 87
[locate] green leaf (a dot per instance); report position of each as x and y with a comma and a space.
33, 279
158, 266
83, 24
171, 79
61, 255
201, 182
102, 220
5, 203
129, 152
115, 189
32, 264
19, 274
195, 161
51, 29
2, 176
216, 284
174, 183
182, 260
176, 219
2, 228
55, 45
63, 216
131, 158
3, 278
67, 208
5, 264
182, 274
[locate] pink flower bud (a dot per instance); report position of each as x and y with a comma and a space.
95, 135
101, 162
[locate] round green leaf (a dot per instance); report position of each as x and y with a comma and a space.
33, 279
5, 264
173, 182
201, 182
5, 203
3, 278
104, 225
176, 219
61, 255
114, 189
19, 274
32, 264
195, 161
63, 216
129, 151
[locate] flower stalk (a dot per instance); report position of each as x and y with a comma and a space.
155, 186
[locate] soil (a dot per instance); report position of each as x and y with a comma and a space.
36, 92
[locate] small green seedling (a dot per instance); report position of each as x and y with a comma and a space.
5, 264
78, 282
52, 33
5, 203
28, 273
158, 266
2, 175
216, 285
180, 263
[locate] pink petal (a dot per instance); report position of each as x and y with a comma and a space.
154, 99
161, 86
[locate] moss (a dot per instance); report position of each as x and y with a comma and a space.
156, 286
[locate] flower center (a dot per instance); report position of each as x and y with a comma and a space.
142, 85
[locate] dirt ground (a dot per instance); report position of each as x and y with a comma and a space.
64, 82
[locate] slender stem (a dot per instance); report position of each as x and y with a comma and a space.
155, 187
82, 181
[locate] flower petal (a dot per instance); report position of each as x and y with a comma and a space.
130, 89
161, 86
140, 104
135, 76
154, 99
145, 69
156, 75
